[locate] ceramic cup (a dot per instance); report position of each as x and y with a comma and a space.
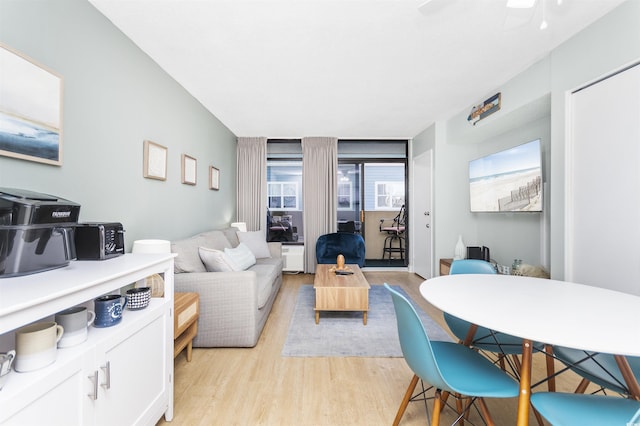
6, 359
36, 345
138, 298
108, 310
75, 321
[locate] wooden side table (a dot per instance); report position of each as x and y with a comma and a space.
185, 322
445, 266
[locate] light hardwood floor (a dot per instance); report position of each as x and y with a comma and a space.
257, 386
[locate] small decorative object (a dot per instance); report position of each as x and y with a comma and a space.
459, 252
214, 178
156, 283
155, 161
340, 262
189, 165
516, 264
526, 270
485, 109
30, 109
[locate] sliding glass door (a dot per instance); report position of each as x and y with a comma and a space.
371, 194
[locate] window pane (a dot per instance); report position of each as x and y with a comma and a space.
284, 178
289, 202
275, 203
386, 180
275, 189
289, 189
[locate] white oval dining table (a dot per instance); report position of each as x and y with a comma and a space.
549, 311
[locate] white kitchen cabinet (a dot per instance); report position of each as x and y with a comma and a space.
121, 375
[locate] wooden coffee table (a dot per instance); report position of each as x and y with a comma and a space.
341, 292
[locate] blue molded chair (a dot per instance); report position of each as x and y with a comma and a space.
570, 409
484, 338
599, 368
351, 246
451, 368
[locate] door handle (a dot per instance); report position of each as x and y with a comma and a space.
107, 373
94, 384
428, 226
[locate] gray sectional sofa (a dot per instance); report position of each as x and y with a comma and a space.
234, 306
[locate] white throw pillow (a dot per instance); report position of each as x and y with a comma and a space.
241, 256
216, 260
257, 243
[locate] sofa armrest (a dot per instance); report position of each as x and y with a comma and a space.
275, 249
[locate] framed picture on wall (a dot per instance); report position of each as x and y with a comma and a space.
30, 109
189, 166
214, 178
155, 161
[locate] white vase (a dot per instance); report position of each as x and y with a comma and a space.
460, 249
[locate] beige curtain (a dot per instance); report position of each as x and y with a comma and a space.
319, 188
252, 183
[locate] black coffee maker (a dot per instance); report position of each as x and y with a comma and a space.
36, 232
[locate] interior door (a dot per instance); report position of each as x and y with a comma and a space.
421, 231
603, 200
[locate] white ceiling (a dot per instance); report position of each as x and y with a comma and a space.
346, 68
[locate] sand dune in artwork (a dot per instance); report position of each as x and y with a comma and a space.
486, 193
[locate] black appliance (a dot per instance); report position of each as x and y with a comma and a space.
481, 253
36, 232
99, 241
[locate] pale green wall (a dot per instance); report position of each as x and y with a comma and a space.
115, 97
533, 103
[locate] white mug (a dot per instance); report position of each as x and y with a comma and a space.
75, 322
36, 345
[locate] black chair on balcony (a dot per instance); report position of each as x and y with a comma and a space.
395, 229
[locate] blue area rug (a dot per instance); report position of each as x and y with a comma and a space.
342, 334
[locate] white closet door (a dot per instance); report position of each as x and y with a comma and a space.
603, 185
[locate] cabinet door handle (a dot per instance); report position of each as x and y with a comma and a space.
107, 375
94, 381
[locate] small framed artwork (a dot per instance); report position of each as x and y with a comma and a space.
155, 161
189, 165
30, 109
214, 178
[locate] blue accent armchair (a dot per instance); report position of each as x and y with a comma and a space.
351, 246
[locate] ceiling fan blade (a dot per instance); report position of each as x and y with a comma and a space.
433, 6
521, 4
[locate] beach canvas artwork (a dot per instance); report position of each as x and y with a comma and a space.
30, 109
507, 181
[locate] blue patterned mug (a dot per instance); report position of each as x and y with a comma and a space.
109, 309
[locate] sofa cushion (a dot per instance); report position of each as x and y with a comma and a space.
266, 274
216, 260
215, 240
256, 242
232, 236
241, 256
188, 259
